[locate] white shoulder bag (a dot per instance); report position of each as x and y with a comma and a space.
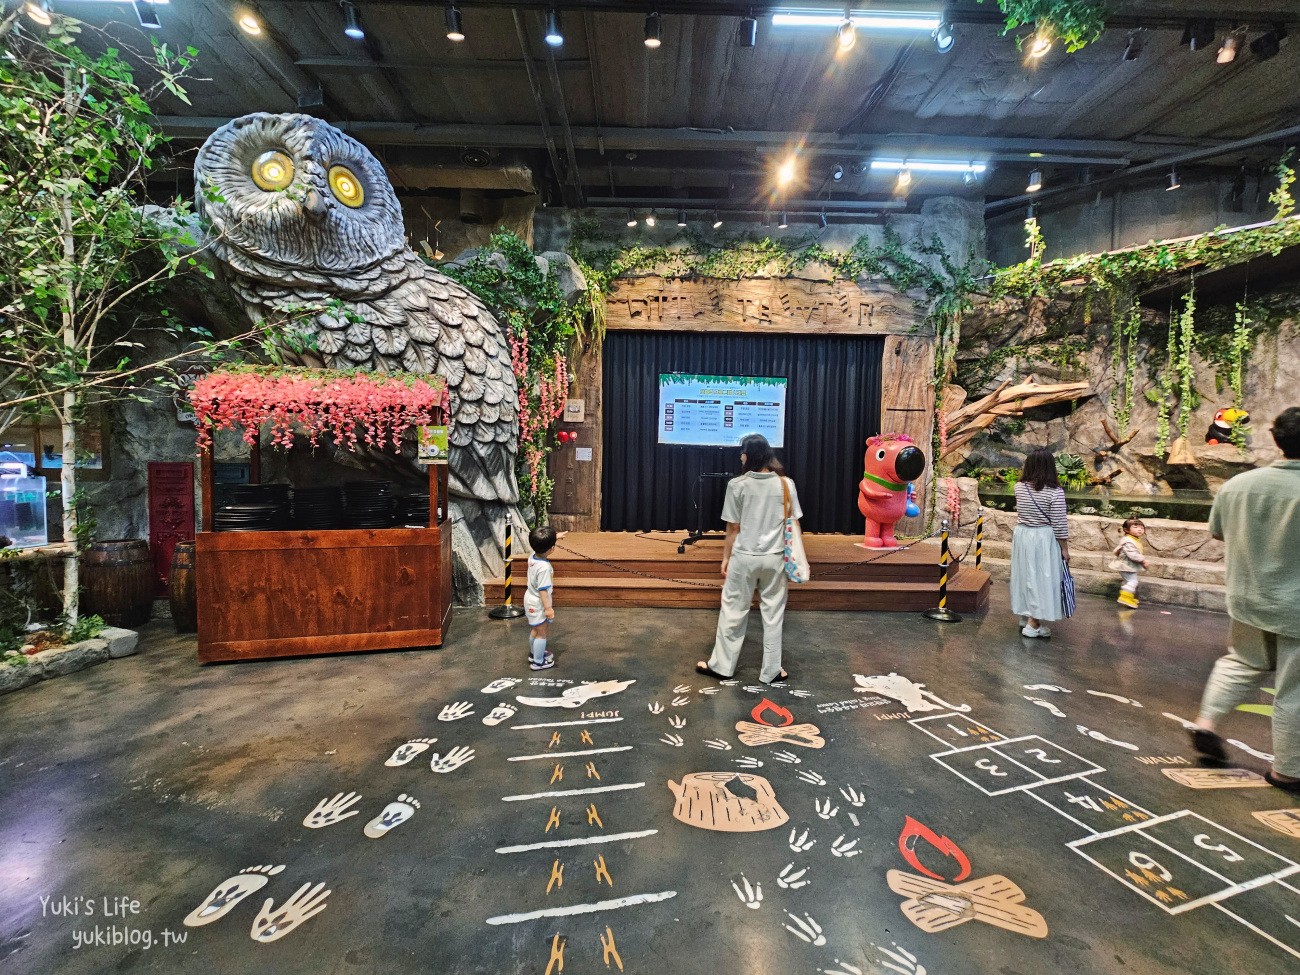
796, 560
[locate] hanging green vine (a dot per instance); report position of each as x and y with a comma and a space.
1187, 399
1124, 349
1281, 197
1076, 23
1163, 395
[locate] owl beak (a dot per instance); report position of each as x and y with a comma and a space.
315, 204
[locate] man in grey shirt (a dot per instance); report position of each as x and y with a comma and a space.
1257, 514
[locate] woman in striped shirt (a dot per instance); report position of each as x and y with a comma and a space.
1040, 544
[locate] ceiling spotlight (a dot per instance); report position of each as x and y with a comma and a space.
969, 176
651, 219
554, 37
717, 220
785, 172
250, 25
1198, 34
837, 173
1228, 49
681, 218
821, 220
846, 34
1267, 45
1173, 180
860, 168
652, 31
631, 217
455, 29
1040, 42
351, 22
904, 178
38, 11
943, 37
1133, 49
747, 35
1035, 181
785, 222
1032, 212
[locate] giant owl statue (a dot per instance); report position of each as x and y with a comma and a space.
303, 215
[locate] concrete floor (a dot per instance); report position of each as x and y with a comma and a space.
151, 779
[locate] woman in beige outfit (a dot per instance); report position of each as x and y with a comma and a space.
752, 558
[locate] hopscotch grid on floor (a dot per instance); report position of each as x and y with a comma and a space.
1231, 890
916, 723
1262, 933
563, 724
585, 751
1062, 812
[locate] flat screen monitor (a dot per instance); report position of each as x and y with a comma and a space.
716, 411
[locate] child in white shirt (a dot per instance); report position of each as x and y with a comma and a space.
1129, 561
538, 604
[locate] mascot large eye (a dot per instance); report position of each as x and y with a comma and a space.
346, 187
273, 170
880, 454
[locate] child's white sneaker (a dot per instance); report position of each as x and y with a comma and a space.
547, 663
1041, 632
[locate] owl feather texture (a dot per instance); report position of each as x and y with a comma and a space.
305, 217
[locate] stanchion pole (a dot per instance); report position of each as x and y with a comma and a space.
508, 610
979, 537
942, 613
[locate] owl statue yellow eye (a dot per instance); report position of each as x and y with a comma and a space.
346, 187
273, 170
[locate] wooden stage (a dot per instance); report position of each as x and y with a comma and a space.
645, 569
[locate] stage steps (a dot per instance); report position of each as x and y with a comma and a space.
646, 570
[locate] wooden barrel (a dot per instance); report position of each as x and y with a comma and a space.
180, 589
117, 581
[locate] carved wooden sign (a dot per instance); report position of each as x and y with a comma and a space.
760, 305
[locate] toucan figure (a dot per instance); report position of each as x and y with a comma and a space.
1223, 423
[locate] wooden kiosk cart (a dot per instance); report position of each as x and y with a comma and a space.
291, 593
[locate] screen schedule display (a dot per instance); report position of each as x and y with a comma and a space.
716, 411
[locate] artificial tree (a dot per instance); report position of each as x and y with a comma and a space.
84, 262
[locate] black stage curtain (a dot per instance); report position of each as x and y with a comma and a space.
832, 406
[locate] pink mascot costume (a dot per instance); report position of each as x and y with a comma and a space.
892, 462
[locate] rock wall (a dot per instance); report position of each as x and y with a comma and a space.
1008, 339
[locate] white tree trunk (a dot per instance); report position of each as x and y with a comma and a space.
68, 481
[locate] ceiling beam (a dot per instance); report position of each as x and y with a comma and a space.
1276, 137
344, 64
1174, 14
1101, 152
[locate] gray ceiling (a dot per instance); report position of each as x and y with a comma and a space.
702, 117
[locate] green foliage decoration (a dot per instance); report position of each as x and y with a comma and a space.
1187, 399
1072, 471
1282, 197
1076, 23
1124, 349
543, 330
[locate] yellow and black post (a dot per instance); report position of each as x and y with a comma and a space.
508, 610
942, 613
979, 537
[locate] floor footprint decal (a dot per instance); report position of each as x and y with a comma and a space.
502, 712
272, 923
229, 893
394, 814
405, 753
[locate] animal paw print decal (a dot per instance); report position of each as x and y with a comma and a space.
806, 929
405, 753
675, 740
332, 810
677, 721
750, 896
273, 923
812, 778
791, 879
825, 808
800, 843
842, 849
717, 744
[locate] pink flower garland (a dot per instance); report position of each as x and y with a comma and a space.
541, 403
315, 403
